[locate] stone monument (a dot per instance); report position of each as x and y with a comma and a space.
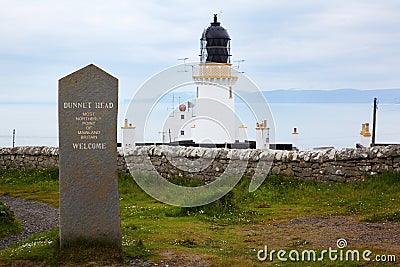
87, 117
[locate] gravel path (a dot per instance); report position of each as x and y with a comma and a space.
35, 217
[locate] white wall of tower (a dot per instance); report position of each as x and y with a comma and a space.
215, 114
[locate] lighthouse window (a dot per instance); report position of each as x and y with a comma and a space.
182, 132
182, 117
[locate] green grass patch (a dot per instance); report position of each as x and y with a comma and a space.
34, 184
383, 217
45, 248
39, 248
376, 194
7, 229
28, 176
222, 231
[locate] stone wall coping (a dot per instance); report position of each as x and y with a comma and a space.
317, 156
30, 150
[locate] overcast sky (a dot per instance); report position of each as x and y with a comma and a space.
285, 44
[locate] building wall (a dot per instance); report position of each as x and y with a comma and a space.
177, 122
328, 165
215, 115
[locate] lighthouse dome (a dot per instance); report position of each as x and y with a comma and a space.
215, 31
215, 43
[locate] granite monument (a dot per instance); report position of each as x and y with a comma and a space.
89, 200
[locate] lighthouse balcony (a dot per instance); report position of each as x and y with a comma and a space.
213, 72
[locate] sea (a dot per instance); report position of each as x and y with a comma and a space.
318, 124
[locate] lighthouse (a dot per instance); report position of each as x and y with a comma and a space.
215, 100
212, 118
215, 80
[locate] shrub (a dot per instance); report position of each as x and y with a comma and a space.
6, 214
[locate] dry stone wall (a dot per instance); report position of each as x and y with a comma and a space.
207, 163
27, 157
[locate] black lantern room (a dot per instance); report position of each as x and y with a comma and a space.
215, 44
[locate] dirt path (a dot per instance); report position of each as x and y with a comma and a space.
323, 232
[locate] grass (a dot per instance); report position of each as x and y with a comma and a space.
45, 247
39, 248
33, 184
220, 232
383, 217
7, 229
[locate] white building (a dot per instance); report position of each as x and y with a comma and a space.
178, 126
262, 135
128, 135
365, 135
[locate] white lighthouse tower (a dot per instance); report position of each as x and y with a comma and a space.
215, 80
212, 120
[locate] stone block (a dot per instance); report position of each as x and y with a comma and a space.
89, 200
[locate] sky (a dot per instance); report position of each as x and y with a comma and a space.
284, 44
